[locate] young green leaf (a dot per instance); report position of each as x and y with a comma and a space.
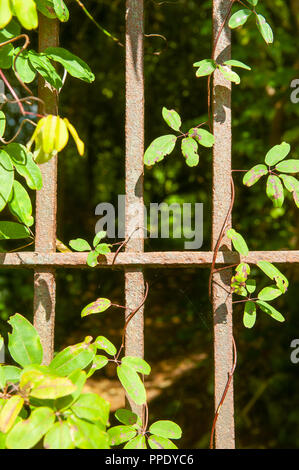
99, 306
26, 434
265, 29
61, 10
203, 137
119, 434
24, 343
229, 74
92, 259
137, 363
158, 442
189, 151
159, 148
92, 407
2, 123
267, 308
172, 118
103, 343
269, 293
20, 204
127, 417
78, 378
274, 190
138, 442
237, 63
72, 358
249, 316
277, 153
11, 373
205, 67
26, 13
72, 64
59, 436
80, 245
290, 183
254, 174
239, 18
103, 249
132, 384
238, 242
98, 363
9, 412
251, 285
13, 231
5, 13
296, 196
6, 178
98, 238
273, 273
167, 429
288, 166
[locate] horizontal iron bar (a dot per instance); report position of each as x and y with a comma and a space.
167, 259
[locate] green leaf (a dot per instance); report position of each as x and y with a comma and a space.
72, 64
167, 429
92, 407
238, 241
132, 384
203, 137
273, 273
61, 10
158, 442
20, 204
6, 56
5, 13
239, 18
24, 343
102, 249
46, 7
127, 417
229, 74
92, 259
242, 272
9, 412
2, 123
189, 150
251, 285
25, 165
265, 29
26, 434
159, 148
269, 293
205, 67
267, 308
253, 2
290, 183
11, 373
296, 196
80, 245
288, 166
26, 13
12, 29
6, 178
44, 67
98, 238
23, 66
249, 317
277, 153
137, 363
172, 118
78, 378
13, 231
138, 442
87, 435
99, 306
119, 434
254, 174
72, 358
98, 363
237, 63
103, 343
39, 383
59, 437
274, 190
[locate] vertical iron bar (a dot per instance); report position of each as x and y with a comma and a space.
134, 221
46, 202
222, 304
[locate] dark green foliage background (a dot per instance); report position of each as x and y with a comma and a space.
178, 312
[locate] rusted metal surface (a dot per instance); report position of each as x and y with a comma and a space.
222, 303
134, 280
167, 259
46, 201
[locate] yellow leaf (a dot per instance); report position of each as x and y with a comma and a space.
79, 143
9, 412
5, 13
61, 134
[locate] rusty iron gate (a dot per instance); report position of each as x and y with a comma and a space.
45, 260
